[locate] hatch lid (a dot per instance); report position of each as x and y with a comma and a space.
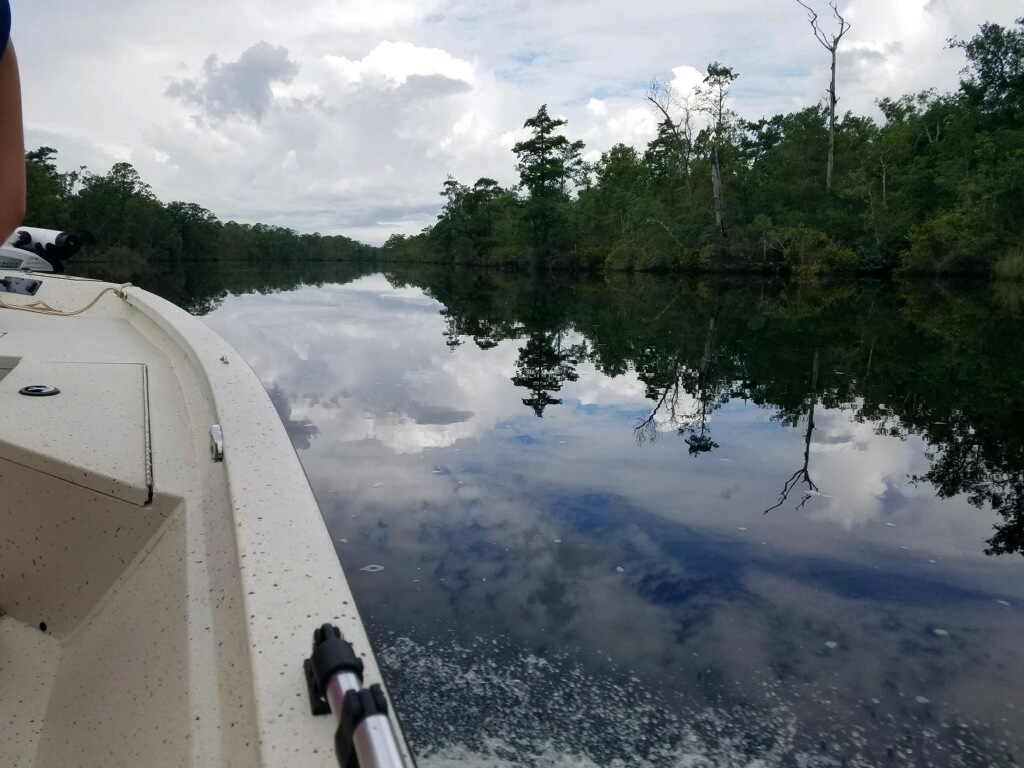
93, 432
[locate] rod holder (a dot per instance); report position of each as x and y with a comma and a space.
334, 678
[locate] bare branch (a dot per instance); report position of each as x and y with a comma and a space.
646, 429
811, 12
832, 48
662, 224
665, 99
661, 109
819, 34
844, 25
803, 474
663, 96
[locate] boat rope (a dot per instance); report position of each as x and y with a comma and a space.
42, 308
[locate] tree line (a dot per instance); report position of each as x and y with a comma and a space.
135, 230
936, 187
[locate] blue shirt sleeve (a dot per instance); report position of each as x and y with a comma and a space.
5, 25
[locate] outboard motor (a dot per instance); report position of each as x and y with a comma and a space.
43, 250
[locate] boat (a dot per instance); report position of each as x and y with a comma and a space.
167, 582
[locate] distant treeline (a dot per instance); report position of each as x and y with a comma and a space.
938, 187
134, 229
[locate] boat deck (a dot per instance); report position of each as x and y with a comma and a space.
155, 604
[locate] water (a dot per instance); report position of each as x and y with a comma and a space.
668, 523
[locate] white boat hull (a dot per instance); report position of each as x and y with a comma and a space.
156, 604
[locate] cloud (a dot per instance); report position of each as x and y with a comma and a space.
241, 88
686, 79
419, 401
397, 62
433, 86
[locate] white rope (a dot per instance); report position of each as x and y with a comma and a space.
42, 308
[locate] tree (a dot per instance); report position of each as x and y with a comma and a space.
831, 44
995, 71
467, 227
450, 232
198, 228
675, 133
120, 209
711, 98
46, 190
548, 164
548, 161
43, 157
605, 210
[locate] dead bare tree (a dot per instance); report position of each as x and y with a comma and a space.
677, 113
831, 44
711, 99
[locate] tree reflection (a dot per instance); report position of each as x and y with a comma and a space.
803, 474
200, 286
964, 465
916, 359
691, 422
698, 436
1002, 491
545, 363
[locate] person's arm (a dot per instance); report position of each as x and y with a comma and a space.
12, 146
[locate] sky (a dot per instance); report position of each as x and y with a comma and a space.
346, 116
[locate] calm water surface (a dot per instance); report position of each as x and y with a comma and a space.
664, 523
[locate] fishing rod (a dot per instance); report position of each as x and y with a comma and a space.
334, 675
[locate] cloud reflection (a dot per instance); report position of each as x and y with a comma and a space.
365, 363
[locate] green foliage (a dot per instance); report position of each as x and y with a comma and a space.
136, 232
995, 71
1010, 266
811, 253
948, 244
930, 247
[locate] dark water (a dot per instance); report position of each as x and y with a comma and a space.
664, 523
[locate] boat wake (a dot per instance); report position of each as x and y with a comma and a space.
490, 705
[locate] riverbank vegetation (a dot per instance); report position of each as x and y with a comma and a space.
133, 229
936, 187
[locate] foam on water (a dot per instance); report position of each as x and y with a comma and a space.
492, 705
